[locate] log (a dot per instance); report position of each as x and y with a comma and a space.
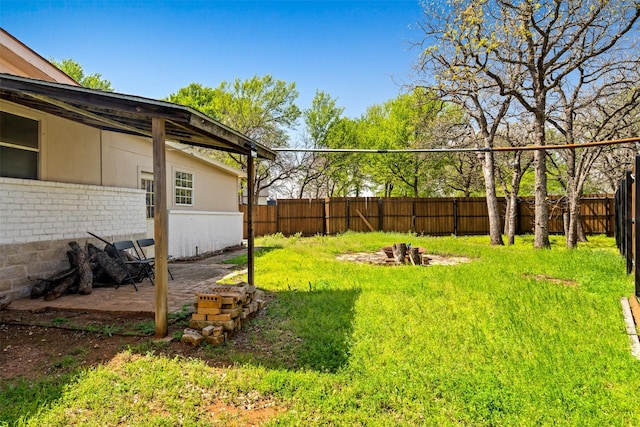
61, 287
111, 268
85, 273
41, 286
399, 252
100, 277
414, 256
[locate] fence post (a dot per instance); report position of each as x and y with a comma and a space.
380, 214
607, 213
348, 214
413, 215
628, 232
455, 217
636, 210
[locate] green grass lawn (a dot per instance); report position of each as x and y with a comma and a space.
517, 337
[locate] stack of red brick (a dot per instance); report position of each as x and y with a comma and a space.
221, 312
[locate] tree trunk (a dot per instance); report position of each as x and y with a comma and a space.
85, 282
541, 222
512, 213
399, 252
414, 256
495, 231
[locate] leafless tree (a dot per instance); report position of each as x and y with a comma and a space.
528, 50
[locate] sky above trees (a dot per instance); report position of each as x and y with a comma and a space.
356, 51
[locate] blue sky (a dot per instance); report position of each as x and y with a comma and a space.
357, 51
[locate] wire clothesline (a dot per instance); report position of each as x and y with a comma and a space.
459, 149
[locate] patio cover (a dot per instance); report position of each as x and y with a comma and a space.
127, 114
144, 117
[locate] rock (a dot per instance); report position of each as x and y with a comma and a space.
219, 340
213, 331
4, 302
201, 324
191, 336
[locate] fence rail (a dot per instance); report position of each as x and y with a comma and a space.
431, 216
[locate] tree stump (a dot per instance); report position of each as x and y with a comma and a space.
399, 252
414, 256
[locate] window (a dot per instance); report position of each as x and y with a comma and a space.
19, 146
184, 188
146, 183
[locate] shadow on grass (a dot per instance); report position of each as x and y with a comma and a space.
300, 330
243, 259
24, 398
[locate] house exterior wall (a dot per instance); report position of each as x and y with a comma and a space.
39, 218
69, 152
197, 232
127, 157
88, 181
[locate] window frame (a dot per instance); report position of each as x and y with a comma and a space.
37, 149
187, 198
145, 178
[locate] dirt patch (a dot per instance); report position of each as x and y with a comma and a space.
551, 279
380, 258
54, 342
246, 410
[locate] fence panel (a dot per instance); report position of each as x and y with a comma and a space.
397, 214
304, 216
265, 220
432, 216
359, 207
435, 217
337, 218
472, 215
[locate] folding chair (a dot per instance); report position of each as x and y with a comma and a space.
146, 243
145, 265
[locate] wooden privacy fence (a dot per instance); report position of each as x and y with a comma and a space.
627, 215
431, 216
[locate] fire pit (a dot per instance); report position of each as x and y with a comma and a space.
388, 250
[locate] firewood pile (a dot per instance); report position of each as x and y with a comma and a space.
91, 267
221, 312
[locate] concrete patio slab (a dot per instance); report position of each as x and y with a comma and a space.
189, 278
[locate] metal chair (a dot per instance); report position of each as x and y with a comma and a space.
145, 266
147, 243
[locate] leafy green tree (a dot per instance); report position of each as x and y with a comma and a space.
262, 108
414, 120
319, 120
347, 174
74, 70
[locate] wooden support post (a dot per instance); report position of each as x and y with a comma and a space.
250, 232
160, 227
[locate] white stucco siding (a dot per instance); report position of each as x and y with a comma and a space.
206, 231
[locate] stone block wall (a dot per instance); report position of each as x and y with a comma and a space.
39, 218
